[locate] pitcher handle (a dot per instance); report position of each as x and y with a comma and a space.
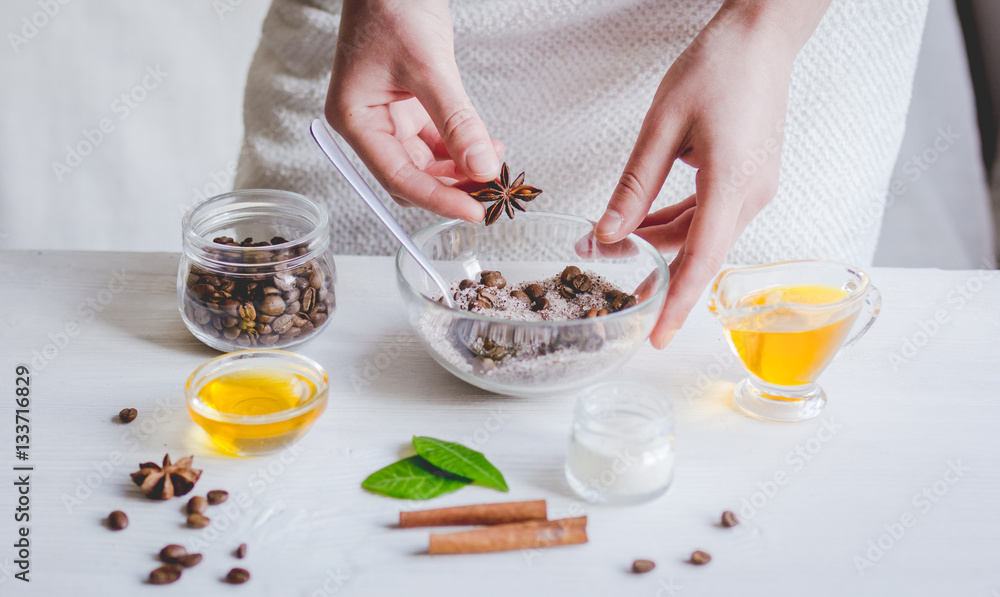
872, 305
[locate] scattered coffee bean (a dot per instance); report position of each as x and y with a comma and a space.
197, 505
729, 519
700, 558
190, 560
567, 293
591, 313
171, 553
198, 521
164, 575
643, 566
241, 551
117, 520
484, 364
466, 283
127, 415
237, 576
540, 304
217, 496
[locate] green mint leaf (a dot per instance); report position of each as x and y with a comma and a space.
459, 460
412, 478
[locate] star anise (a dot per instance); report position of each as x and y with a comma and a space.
172, 479
507, 196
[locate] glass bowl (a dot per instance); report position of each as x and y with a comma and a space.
526, 358
254, 402
277, 291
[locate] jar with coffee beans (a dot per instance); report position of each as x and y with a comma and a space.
257, 270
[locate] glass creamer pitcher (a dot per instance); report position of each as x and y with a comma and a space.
786, 321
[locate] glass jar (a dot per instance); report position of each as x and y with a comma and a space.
257, 270
621, 448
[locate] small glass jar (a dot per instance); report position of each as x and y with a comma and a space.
621, 449
255, 402
257, 270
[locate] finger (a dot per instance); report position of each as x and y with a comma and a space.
461, 129
389, 162
651, 160
588, 247
433, 139
709, 239
667, 214
669, 236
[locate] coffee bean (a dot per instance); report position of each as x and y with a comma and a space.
164, 575
247, 312
231, 307
493, 279
540, 304
302, 283
197, 505
567, 292
317, 278
591, 313
293, 308
278, 240
291, 333
231, 333
466, 284
521, 296
202, 316
643, 566
198, 521
484, 365
611, 295
241, 551
700, 558
273, 305
237, 576
217, 496
534, 291
582, 283
190, 560
127, 415
601, 312
172, 552
729, 519
118, 520
282, 324
309, 299
567, 275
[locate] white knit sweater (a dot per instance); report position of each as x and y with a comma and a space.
565, 85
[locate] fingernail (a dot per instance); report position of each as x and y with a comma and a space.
662, 342
481, 160
610, 222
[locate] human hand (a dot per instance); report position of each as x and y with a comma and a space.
721, 109
397, 98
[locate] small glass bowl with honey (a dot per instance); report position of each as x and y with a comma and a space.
254, 402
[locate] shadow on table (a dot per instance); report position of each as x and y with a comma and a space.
157, 321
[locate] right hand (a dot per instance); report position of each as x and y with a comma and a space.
396, 97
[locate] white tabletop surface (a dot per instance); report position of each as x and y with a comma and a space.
906, 455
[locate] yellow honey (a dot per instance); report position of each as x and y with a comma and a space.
257, 409
791, 343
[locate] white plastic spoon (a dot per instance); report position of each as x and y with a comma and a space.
333, 151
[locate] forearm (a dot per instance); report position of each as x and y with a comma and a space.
785, 23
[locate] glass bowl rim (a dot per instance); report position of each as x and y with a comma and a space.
219, 363
436, 228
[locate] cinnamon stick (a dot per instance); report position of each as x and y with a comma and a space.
519, 535
479, 514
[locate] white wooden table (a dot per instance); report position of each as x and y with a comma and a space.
895, 490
